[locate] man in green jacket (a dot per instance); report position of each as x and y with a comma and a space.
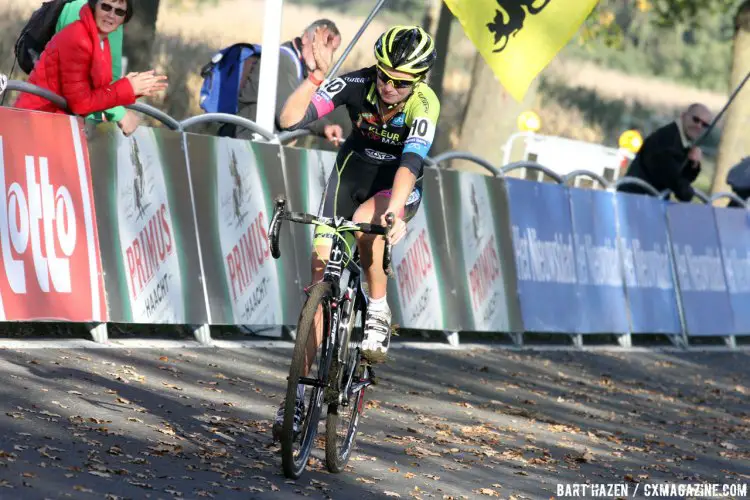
126, 119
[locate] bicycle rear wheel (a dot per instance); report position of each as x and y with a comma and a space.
294, 461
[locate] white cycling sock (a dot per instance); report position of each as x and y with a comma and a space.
380, 304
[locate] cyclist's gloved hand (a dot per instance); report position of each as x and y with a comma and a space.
334, 133
398, 230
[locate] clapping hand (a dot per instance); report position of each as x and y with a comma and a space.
147, 83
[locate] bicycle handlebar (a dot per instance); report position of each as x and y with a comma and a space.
280, 213
363, 227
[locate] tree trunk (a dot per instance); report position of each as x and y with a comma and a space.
735, 141
442, 39
139, 35
489, 118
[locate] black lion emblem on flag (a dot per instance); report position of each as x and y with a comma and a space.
510, 17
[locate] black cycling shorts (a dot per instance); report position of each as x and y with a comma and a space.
354, 181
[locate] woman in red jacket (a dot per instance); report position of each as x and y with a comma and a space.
76, 64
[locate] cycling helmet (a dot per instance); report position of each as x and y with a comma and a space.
406, 48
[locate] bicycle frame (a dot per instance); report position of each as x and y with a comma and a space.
333, 272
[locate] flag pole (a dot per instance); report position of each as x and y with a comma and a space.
334, 69
713, 123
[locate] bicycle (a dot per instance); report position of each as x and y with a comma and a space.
342, 374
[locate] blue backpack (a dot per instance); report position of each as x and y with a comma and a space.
224, 75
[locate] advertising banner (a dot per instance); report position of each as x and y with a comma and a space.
649, 282
700, 271
475, 238
598, 262
307, 173
423, 283
146, 225
235, 183
543, 246
733, 225
51, 268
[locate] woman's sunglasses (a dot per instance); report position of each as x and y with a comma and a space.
108, 8
397, 83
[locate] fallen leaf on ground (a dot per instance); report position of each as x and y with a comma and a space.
487, 491
420, 452
391, 494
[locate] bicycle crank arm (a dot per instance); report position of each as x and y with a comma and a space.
312, 381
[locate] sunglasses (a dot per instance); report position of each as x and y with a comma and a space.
397, 83
700, 122
109, 7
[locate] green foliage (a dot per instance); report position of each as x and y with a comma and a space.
687, 41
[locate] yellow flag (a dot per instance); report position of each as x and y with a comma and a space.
519, 38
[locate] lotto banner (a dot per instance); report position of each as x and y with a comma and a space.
539, 221
423, 289
647, 266
733, 225
700, 271
475, 239
51, 268
235, 184
146, 225
599, 272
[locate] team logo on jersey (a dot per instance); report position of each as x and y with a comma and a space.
379, 155
399, 120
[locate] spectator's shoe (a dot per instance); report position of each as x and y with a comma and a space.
377, 334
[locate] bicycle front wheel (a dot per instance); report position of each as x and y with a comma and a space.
343, 418
295, 459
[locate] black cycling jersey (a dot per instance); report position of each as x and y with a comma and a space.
400, 136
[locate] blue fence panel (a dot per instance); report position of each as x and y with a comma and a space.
545, 259
649, 281
733, 225
700, 273
598, 265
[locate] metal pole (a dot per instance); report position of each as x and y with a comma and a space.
269, 66
334, 69
723, 110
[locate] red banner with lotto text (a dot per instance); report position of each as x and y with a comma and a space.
51, 268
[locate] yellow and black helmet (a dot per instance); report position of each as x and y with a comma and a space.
406, 48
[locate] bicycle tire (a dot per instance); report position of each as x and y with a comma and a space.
319, 294
338, 456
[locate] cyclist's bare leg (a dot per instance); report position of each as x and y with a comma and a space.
313, 341
371, 247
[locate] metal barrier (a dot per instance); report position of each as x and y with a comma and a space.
530, 165
155, 113
732, 197
586, 173
623, 181
38, 91
227, 118
288, 136
458, 155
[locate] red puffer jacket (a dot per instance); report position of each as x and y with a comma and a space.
77, 66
